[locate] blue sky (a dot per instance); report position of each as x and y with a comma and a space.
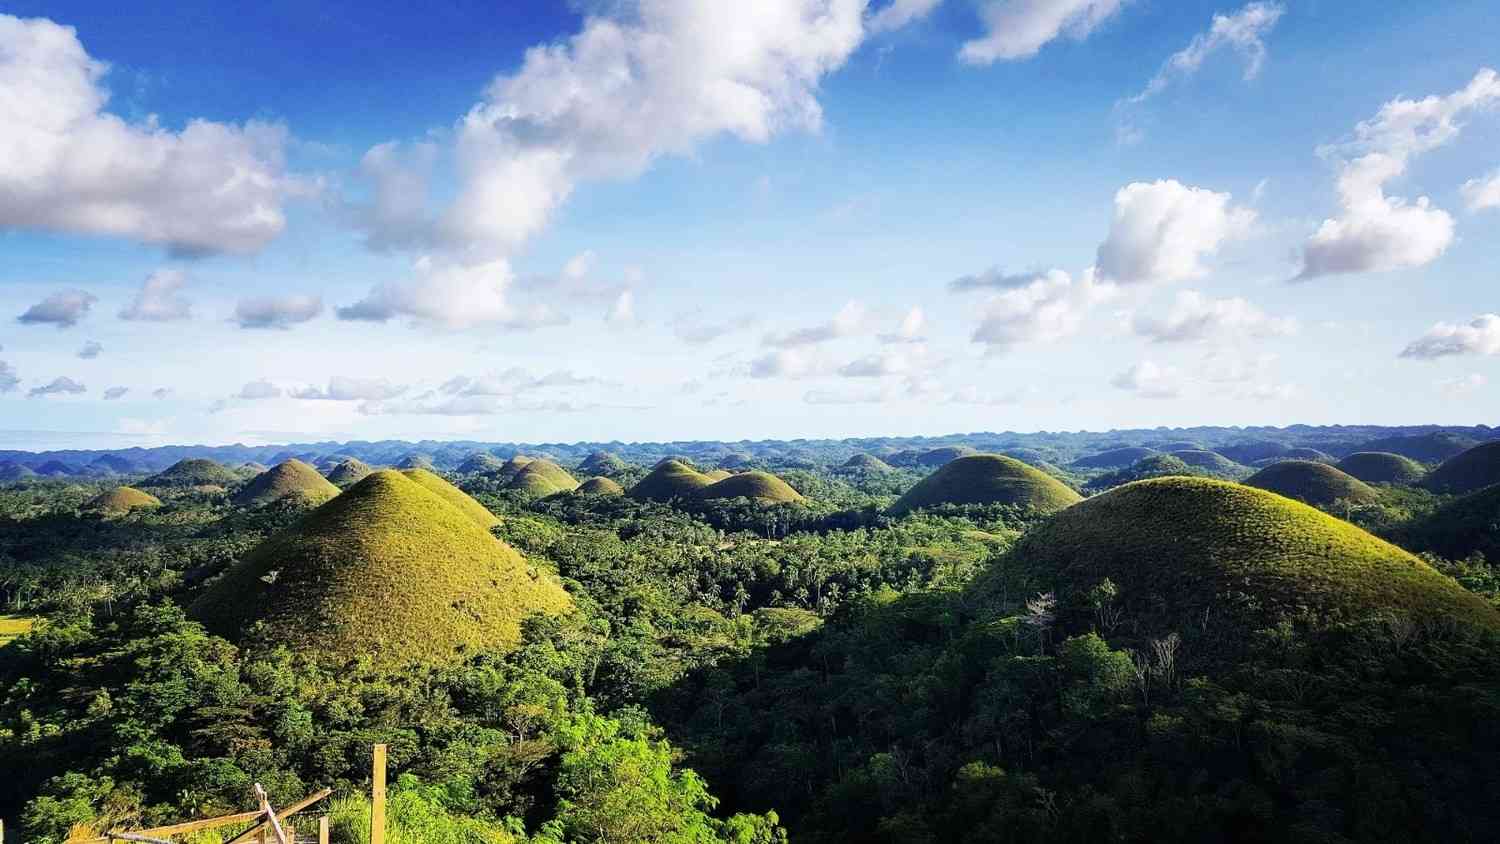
672, 219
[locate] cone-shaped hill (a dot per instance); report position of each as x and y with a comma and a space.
1155, 466
481, 463
416, 461
541, 478
1459, 528
1312, 483
456, 497
1115, 458
1428, 448
943, 455
988, 479
599, 486
292, 481
867, 463
601, 463
1211, 462
1178, 548
716, 475
670, 479
122, 499
349, 472
388, 569
513, 466
10, 471
1311, 455
1467, 471
195, 471
758, 486
1382, 467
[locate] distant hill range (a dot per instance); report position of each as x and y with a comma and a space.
1427, 444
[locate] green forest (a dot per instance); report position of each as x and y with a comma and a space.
1235, 640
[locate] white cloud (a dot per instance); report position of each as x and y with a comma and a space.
1243, 31
1195, 317
1017, 29
162, 393
92, 349
1234, 368
1462, 385
881, 365
622, 310
788, 363
1375, 232
849, 320
1047, 309
450, 295
993, 278
1483, 193
345, 388
694, 329
1162, 231
281, 312
115, 393
9, 380
837, 397
63, 309
395, 214
67, 165
56, 387
159, 299
1481, 336
638, 82
911, 330
1150, 380
899, 13
512, 382
259, 390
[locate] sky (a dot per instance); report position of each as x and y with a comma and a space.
703, 219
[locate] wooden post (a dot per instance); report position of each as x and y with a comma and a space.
377, 797
323, 830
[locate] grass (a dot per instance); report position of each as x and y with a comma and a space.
349, 472
454, 496
1426, 448
599, 486
411, 817
195, 471
1180, 548
1155, 466
541, 478
513, 466
390, 569
481, 463
944, 455
1210, 461
416, 461
1467, 471
290, 480
602, 463
670, 479
1382, 467
988, 479
1311, 455
13, 626
717, 475
758, 486
1115, 458
867, 463
1312, 483
122, 499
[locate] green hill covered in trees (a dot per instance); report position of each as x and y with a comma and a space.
1467, 471
194, 471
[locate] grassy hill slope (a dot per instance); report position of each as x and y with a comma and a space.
195, 471
670, 479
1382, 467
760, 486
1312, 483
121, 499
349, 472
1467, 471
541, 478
988, 479
454, 496
599, 486
288, 480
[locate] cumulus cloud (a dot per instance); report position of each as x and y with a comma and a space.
788, 363
1374, 232
277, 312
1195, 317
91, 350
1150, 380
160, 299
56, 387
9, 380
67, 165
1017, 29
1243, 31
622, 310
881, 365
849, 320
1482, 193
899, 13
451, 295
1048, 308
345, 388
259, 390
1481, 336
912, 329
1162, 231
63, 309
636, 83
113, 393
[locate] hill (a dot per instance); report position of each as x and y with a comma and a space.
601, 463
116, 464
599, 486
1211, 462
1464, 526
988, 479
10, 472
716, 475
541, 478
1155, 466
292, 481
759, 486
1312, 483
387, 569
867, 463
1425, 448
481, 463
513, 466
1177, 547
1467, 471
416, 461
670, 479
194, 471
121, 499
349, 472
455, 497
1311, 455
1115, 458
936, 457
1246, 453
1381, 467
52, 469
